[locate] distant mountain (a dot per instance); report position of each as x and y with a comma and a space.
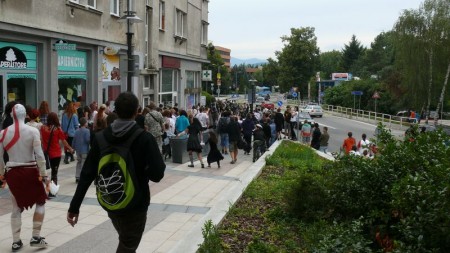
253, 61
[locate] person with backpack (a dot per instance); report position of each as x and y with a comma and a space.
129, 155
222, 130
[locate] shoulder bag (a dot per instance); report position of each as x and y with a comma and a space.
47, 158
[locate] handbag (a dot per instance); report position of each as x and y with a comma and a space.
241, 144
66, 134
47, 158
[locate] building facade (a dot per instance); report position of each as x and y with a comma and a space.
225, 54
174, 48
76, 51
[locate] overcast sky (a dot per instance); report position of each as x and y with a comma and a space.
252, 28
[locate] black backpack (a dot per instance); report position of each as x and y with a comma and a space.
223, 124
117, 186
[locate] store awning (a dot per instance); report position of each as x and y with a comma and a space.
17, 75
72, 76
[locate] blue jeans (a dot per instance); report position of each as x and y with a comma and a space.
323, 149
224, 140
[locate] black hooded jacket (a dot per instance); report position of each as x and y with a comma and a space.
148, 164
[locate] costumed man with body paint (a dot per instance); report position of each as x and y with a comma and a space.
25, 175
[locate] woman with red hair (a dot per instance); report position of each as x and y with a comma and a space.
51, 135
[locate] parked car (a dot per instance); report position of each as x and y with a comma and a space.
268, 105
313, 110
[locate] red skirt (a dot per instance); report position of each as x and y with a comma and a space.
25, 186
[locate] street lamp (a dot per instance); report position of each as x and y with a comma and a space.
130, 18
252, 97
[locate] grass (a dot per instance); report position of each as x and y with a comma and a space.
259, 221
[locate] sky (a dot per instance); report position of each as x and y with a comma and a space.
252, 28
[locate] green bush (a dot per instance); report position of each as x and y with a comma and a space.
342, 237
307, 198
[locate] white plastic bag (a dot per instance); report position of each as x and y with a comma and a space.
53, 188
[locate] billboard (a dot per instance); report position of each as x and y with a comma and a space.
341, 76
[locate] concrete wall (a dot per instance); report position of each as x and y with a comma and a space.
65, 17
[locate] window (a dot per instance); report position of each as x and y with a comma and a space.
167, 80
162, 15
180, 23
204, 39
114, 7
145, 101
92, 3
190, 79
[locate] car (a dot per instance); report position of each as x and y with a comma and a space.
269, 106
302, 116
313, 110
260, 99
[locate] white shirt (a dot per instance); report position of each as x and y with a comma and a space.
363, 145
203, 118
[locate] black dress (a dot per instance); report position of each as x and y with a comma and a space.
214, 154
193, 143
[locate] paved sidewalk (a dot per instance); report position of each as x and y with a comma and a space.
181, 203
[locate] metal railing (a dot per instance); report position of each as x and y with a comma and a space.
369, 116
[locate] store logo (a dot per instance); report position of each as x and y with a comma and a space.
12, 58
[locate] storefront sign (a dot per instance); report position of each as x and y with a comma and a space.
170, 62
71, 61
12, 58
61, 46
17, 56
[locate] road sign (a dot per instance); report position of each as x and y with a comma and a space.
294, 94
376, 95
280, 103
357, 93
219, 82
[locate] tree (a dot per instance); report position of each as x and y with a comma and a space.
351, 53
271, 72
330, 62
299, 58
217, 66
422, 44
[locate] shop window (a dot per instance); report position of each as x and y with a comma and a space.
166, 99
72, 88
22, 88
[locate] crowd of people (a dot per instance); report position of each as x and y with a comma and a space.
36, 134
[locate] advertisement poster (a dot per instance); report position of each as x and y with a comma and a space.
110, 68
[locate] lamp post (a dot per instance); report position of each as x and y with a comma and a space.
252, 97
130, 18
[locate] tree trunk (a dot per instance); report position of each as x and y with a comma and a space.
441, 98
430, 83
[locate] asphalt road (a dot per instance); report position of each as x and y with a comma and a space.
339, 127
